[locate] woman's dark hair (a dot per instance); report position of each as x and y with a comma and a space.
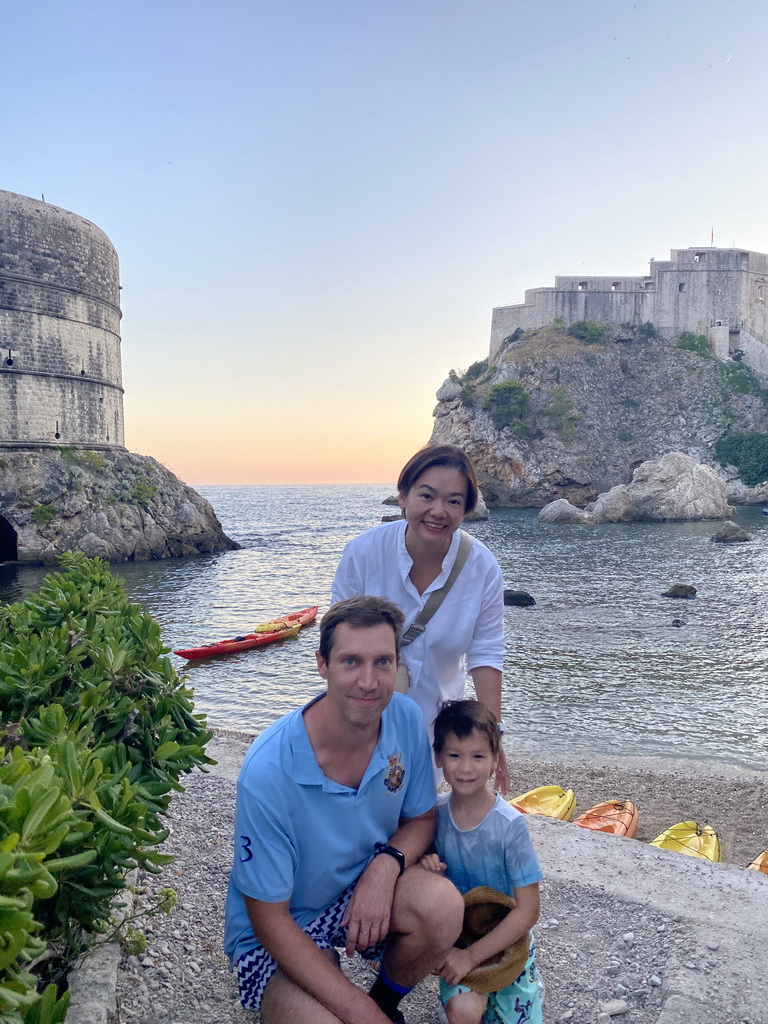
463, 717
439, 455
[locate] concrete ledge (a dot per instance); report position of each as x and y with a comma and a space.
93, 986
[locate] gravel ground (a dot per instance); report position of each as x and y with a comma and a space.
593, 948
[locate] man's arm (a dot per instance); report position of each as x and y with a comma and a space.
368, 914
301, 960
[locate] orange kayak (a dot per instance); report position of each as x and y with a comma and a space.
615, 817
285, 626
760, 863
551, 801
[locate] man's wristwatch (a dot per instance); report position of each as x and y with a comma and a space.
393, 852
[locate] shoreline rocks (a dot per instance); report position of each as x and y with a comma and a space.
112, 503
674, 487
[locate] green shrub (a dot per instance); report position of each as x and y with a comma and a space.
560, 413
648, 331
85, 685
508, 404
476, 370
625, 435
514, 336
748, 453
43, 514
3, 464
142, 491
698, 343
631, 403
589, 332
738, 378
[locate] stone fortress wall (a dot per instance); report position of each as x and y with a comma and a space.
60, 370
721, 293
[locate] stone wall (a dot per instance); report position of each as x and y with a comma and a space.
60, 370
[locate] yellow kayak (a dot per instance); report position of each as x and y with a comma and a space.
760, 863
551, 801
692, 839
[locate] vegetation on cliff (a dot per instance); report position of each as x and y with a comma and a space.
97, 730
570, 412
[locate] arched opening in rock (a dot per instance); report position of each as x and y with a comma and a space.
8, 542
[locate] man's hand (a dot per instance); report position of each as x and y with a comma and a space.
431, 862
368, 913
457, 965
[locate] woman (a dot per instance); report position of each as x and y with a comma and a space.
407, 560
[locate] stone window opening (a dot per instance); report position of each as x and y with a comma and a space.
648, 285
582, 286
9, 360
761, 293
57, 435
681, 286
616, 286
699, 257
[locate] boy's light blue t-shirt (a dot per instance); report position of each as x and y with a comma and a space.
498, 852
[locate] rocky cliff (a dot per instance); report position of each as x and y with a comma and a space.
559, 417
115, 504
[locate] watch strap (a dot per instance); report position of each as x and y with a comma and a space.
392, 851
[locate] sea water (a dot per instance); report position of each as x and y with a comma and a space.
601, 665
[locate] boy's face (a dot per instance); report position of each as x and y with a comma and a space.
467, 764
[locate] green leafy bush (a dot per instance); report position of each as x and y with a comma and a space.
738, 378
560, 413
43, 514
109, 728
748, 453
142, 491
476, 370
589, 332
698, 343
508, 404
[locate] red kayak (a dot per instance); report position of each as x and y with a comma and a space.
289, 625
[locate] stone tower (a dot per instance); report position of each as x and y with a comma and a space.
60, 373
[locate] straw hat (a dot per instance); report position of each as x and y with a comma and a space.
484, 908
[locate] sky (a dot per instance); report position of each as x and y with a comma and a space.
317, 203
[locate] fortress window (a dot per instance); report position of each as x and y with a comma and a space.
699, 257
681, 286
582, 286
761, 293
615, 286
648, 285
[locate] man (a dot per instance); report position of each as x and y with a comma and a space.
335, 806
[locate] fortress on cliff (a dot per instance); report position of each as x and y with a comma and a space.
60, 372
720, 293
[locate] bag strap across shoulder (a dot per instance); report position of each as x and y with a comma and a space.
437, 597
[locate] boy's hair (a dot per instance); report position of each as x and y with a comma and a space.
360, 613
462, 717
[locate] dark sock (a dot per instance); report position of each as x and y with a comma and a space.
387, 995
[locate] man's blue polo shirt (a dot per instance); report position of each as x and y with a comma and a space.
301, 837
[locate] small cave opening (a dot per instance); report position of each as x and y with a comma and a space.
8, 542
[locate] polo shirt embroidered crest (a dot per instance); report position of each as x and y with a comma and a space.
395, 776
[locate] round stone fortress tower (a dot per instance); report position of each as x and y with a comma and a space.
60, 375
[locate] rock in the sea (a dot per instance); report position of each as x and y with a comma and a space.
673, 487
112, 503
680, 590
518, 598
392, 518
730, 534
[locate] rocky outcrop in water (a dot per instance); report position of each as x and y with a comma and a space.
115, 504
671, 488
554, 417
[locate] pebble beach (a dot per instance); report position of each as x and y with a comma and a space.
602, 958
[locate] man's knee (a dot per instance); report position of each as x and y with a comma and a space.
430, 904
285, 1001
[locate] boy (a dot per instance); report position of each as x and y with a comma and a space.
483, 841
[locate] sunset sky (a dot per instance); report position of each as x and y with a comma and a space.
317, 203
